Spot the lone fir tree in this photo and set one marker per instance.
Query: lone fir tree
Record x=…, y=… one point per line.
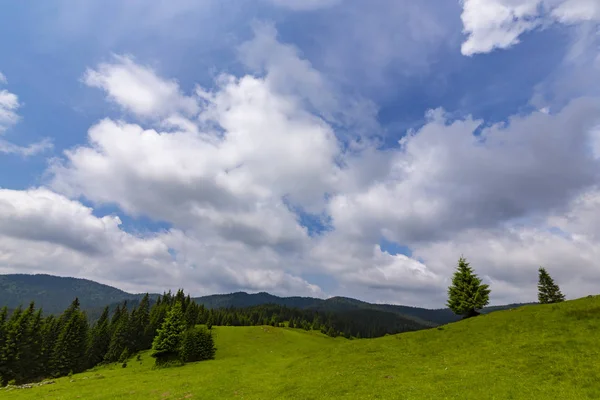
x=467, y=294
x=166, y=344
x=548, y=291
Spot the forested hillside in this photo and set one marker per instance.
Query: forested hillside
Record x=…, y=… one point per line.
x=54, y=293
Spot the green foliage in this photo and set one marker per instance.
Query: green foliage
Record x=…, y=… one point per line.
x=70, y=348
x=100, y=339
x=55, y=293
x=120, y=334
x=497, y=356
x=467, y=294
x=165, y=347
x=197, y=344
x=548, y=291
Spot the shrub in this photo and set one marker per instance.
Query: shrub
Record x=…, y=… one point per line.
x=197, y=344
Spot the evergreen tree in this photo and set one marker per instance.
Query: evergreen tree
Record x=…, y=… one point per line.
x=71, y=344
x=197, y=344
x=30, y=366
x=50, y=332
x=141, y=335
x=191, y=315
x=467, y=294
x=99, y=340
x=548, y=291
x=165, y=347
x=3, y=332
x=120, y=337
x=14, y=366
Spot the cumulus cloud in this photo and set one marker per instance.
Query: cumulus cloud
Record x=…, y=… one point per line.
x=492, y=24
x=231, y=169
x=444, y=178
x=137, y=89
x=9, y=104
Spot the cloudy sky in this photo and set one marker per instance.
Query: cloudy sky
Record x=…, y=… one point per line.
x=302, y=147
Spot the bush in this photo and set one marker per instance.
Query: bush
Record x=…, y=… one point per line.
x=197, y=344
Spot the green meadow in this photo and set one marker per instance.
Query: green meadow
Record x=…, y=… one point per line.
x=533, y=352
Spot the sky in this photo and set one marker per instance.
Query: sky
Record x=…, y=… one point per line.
x=302, y=147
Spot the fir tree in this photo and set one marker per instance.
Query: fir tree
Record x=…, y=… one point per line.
x=165, y=347
x=71, y=344
x=197, y=344
x=120, y=337
x=50, y=332
x=141, y=335
x=548, y=291
x=467, y=294
x=99, y=340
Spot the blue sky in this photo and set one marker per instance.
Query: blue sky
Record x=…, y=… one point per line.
x=320, y=148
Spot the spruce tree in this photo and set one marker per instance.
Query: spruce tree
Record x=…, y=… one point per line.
x=548, y=291
x=16, y=334
x=142, y=336
x=166, y=344
x=30, y=366
x=99, y=340
x=467, y=294
x=3, y=329
x=49, y=333
x=120, y=337
x=71, y=345
x=197, y=344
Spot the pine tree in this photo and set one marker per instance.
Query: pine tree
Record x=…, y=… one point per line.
x=120, y=337
x=11, y=351
x=548, y=291
x=50, y=332
x=3, y=329
x=467, y=294
x=197, y=344
x=30, y=366
x=71, y=344
x=165, y=347
x=191, y=314
x=142, y=339
x=99, y=340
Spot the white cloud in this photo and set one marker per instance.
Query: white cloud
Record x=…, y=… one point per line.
x=492, y=24
x=64, y=237
x=445, y=179
x=224, y=174
x=9, y=104
x=138, y=89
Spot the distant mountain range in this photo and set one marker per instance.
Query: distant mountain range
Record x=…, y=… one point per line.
x=54, y=294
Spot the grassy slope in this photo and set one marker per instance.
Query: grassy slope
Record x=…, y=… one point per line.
x=534, y=352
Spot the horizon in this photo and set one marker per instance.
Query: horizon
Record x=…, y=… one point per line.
x=303, y=148
x=193, y=297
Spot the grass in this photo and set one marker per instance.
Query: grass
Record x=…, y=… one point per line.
x=533, y=352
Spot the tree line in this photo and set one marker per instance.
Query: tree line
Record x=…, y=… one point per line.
x=467, y=294
x=34, y=346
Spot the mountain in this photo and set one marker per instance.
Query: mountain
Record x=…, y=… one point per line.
x=54, y=294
